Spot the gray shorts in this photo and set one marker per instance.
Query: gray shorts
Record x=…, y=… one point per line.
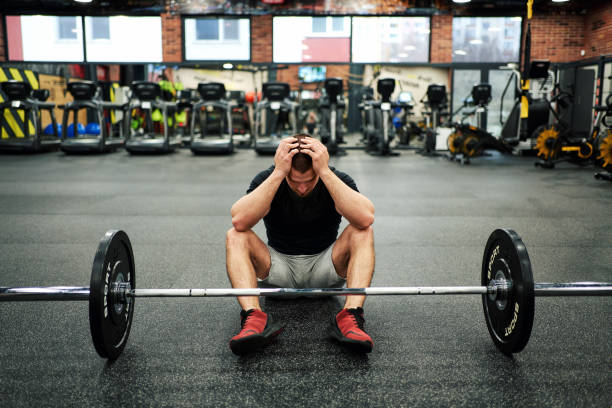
x=302, y=271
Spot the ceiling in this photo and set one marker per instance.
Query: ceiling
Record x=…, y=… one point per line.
x=101, y=7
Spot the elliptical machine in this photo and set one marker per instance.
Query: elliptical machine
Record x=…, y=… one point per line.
x=275, y=117
x=378, y=127
x=331, y=109
x=436, y=101
x=213, y=138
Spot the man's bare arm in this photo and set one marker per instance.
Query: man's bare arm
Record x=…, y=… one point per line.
x=352, y=205
x=251, y=208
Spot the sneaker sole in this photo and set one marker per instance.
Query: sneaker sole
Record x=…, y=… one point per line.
x=354, y=345
x=253, y=343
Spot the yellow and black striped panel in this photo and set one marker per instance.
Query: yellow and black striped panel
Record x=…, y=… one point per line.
x=13, y=118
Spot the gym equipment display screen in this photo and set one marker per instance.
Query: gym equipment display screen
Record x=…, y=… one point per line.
x=311, y=74
x=45, y=38
x=390, y=39
x=311, y=39
x=217, y=39
x=486, y=39
x=123, y=39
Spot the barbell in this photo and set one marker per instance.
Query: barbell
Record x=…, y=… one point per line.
x=507, y=289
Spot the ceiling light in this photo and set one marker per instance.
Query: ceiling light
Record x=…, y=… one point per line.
x=83, y=1
x=560, y=1
x=227, y=65
x=461, y=1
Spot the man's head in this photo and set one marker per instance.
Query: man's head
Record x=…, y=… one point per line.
x=302, y=178
x=301, y=161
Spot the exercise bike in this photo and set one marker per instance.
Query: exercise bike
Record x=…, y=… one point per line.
x=331, y=109
x=436, y=103
x=604, y=115
x=377, y=120
x=471, y=141
x=557, y=142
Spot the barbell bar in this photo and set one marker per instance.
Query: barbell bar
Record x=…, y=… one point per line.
x=66, y=293
x=507, y=291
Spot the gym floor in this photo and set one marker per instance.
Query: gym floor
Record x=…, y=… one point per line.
x=433, y=218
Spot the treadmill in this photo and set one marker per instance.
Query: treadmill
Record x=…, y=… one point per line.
x=21, y=98
x=240, y=118
x=275, y=117
x=146, y=137
x=104, y=138
x=211, y=121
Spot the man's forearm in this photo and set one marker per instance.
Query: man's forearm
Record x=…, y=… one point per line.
x=251, y=208
x=352, y=205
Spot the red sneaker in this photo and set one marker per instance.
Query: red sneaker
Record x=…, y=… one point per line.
x=347, y=328
x=257, y=331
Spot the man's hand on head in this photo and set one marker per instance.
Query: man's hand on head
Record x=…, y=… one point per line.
x=318, y=152
x=287, y=148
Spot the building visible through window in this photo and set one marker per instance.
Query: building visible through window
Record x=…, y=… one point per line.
x=231, y=30
x=207, y=29
x=67, y=28
x=100, y=28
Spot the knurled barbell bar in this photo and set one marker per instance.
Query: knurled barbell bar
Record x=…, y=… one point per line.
x=508, y=292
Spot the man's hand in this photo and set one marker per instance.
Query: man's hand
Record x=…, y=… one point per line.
x=318, y=152
x=284, y=153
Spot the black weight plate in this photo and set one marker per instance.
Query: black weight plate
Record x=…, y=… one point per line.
x=110, y=319
x=510, y=321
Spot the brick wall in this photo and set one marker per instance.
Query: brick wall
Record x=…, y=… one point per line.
x=172, y=36
x=598, y=31
x=441, y=39
x=261, y=39
x=558, y=37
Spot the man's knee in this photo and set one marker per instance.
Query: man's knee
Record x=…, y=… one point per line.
x=237, y=239
x=360, y=236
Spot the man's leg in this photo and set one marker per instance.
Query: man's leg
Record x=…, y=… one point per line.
x=247, y=258
x=353, y=258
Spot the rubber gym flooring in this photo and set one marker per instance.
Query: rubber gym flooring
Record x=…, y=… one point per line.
x=433, y=218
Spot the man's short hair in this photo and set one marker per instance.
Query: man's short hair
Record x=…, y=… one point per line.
x=301, y=161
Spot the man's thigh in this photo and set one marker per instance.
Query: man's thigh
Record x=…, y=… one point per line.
x=302, y=271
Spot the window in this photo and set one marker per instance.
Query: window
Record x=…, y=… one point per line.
x=126, y=43
x=100, y=28
x=67, y=28
x=217, y=39
x=390, y=39
x=311, y=39
x=207, y=29
x=486, y=39
x=44, y=38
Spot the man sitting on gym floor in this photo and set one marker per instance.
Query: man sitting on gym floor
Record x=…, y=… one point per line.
x=301, y=200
